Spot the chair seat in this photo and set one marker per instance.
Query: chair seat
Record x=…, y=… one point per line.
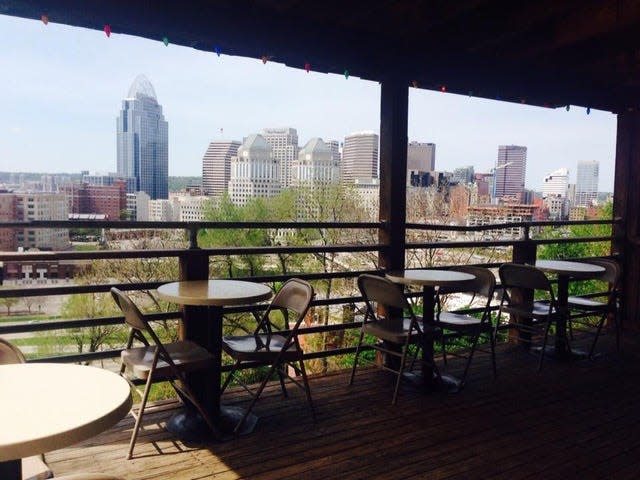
x=247, y=348
x=185, y=354
x=586, y=303
x=457, y=321
x=536, y=310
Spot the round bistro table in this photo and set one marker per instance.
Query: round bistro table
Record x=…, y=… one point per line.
x=429, y=280
x=206, y=330
x=47, y=406
x=566, y=271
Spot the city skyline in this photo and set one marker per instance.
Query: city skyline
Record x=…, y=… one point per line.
x=242, y=96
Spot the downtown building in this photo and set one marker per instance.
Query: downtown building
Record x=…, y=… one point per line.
x=143, y=142
x=509, y=174
x=360, y=157
x=554, y=193
x=284, y=147
x=254, y=171
x=587, y=177
x=216, y=166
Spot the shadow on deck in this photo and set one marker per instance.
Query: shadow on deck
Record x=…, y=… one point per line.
x=575, y=420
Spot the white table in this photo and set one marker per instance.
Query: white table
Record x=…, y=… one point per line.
x=566, y=271
x=429, y=280
x=47, y=406
x=206, y=330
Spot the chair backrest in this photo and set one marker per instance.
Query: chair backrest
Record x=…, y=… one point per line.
x=612, y=270
x=295, y=296
x=515, y=275
x=9, y=353
x=382, y=291
x=483, y=284
x=132, y=314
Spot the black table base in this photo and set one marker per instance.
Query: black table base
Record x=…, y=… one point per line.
x=189, y=426
x=552, y=352
x=11, y=470
x=443, y=383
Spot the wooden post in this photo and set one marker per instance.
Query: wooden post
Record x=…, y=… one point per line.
x=626, y=205
x=394, y=113
x=194, y=265
x=525, y=252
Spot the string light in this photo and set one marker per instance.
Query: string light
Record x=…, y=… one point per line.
x=165, y=40
x=107, y=30
x=588, y=110
x=346, y=74
x=217, y=50
x=414, y=84
x=443, y=89
x=568, y=107
x=45, y=19
x=307, y=66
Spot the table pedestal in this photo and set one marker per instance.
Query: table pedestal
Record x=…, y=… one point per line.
x=11, y=470
x=188, y=425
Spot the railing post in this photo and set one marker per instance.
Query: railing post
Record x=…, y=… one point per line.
x=523, y=252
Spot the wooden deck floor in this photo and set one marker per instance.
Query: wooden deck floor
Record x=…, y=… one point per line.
x=575, y=420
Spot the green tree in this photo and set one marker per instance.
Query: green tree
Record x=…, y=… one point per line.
x=8, y=302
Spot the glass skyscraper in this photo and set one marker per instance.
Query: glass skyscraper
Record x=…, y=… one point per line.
x=143, y=141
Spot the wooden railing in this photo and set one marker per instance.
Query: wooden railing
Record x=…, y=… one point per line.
x=192, y=258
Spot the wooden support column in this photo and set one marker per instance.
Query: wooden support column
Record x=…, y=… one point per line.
x=626, y=205
x=394, y=114
x=194, y=265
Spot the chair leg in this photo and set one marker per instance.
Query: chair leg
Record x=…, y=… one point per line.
x=544, y=345
x=143, y=403
x=403, y=360
x=281, y=376
x=355, y=359
x=307, y=389
x=492, y=341
x=229, y=377
x=598, y=330
x=254, y=399
x=470, y=358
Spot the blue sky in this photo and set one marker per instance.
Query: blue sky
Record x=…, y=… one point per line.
x=61, y=89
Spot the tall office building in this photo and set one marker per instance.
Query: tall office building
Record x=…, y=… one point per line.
x=421, y=157
x=556, y=183
x=216, y=166
x=587, y=182
x=143, y=142
x=463, y=174
x=254, y=171
x=284, y=145
x=315, y=165
x=509, y=173
x=360, y=156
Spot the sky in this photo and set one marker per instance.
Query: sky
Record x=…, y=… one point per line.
x=61, y=90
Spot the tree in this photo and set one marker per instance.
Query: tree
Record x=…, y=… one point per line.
x=8, y=302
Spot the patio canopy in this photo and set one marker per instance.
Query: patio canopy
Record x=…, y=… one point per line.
x=547, y=53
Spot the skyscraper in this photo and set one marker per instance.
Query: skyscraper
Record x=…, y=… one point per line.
x=421, y=157
x=587, y=182
x=216, y=166
x=315, y=165
x=284, y=145
x=360, y=156
x=556, y=183
x=143, y=142
x=254, y=171
x=509, y=173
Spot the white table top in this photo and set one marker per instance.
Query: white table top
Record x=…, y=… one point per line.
x=214, y=292
x=430, y=277
x=47, y=406
x=573, y=269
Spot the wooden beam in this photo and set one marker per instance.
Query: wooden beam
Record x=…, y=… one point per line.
x=394, y=113
x=626, y=204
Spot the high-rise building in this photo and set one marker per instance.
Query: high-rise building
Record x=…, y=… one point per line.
x=463, y=175
x=509, y=173
x=360, y=156
x=216, y=166
x=556, y=183
x=587, y=182
x=254, y=171
x=315, y=165
x=143, y=141
x=421, y=157
x=284, y=145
